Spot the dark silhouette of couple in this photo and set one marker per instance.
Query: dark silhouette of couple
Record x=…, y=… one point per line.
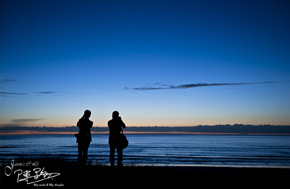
x=84, y=137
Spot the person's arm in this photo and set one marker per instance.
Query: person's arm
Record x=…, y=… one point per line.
x=122, y=123
x=79, y=123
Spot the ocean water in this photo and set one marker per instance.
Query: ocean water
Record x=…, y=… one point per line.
x=219, y=150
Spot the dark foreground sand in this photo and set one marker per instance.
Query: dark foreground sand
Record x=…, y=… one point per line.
x=73, y=175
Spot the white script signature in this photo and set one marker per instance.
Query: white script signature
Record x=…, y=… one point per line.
x=30, y=176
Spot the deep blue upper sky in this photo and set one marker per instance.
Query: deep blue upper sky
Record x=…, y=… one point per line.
x=60, y=57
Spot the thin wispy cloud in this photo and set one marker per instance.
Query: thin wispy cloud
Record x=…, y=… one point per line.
x=24, y=120
x=14, y=94
x=3, y=93
x=52, y=92
x=46, y=92
x=195, y=85
x=7, y=80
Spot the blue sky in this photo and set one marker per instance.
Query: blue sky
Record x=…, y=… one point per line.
x=59, y=58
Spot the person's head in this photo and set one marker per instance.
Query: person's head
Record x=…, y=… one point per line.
x=87, y=114
x=115, y=114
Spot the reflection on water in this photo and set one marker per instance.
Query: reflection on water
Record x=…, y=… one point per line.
x=159, y=149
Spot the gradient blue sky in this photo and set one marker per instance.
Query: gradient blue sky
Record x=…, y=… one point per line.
x=59, y=58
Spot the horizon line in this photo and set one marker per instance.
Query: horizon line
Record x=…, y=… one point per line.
x=201, y=129
x=211, y=125
x=140, y=133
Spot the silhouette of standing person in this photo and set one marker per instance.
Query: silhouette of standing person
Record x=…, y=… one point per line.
x=115, y=127
x=84, y=137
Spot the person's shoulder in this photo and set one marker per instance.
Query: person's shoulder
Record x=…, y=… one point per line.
x=79, y=122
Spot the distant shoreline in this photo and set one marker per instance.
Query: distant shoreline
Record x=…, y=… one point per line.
x=146, y=133
x=237, y=129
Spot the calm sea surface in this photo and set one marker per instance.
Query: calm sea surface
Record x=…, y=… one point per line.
x=158, y=149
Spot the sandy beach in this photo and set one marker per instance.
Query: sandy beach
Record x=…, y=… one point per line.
x=70, y=174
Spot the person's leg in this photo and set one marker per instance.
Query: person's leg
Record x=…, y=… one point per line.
x=120, y=157
x=112, y=154
x=80, y=150
x=85, y=153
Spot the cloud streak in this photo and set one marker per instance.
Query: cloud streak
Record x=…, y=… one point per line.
x=3, y=93
x=46, y=92
x=195, y=85
x=7, y=80
x=25, y=120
